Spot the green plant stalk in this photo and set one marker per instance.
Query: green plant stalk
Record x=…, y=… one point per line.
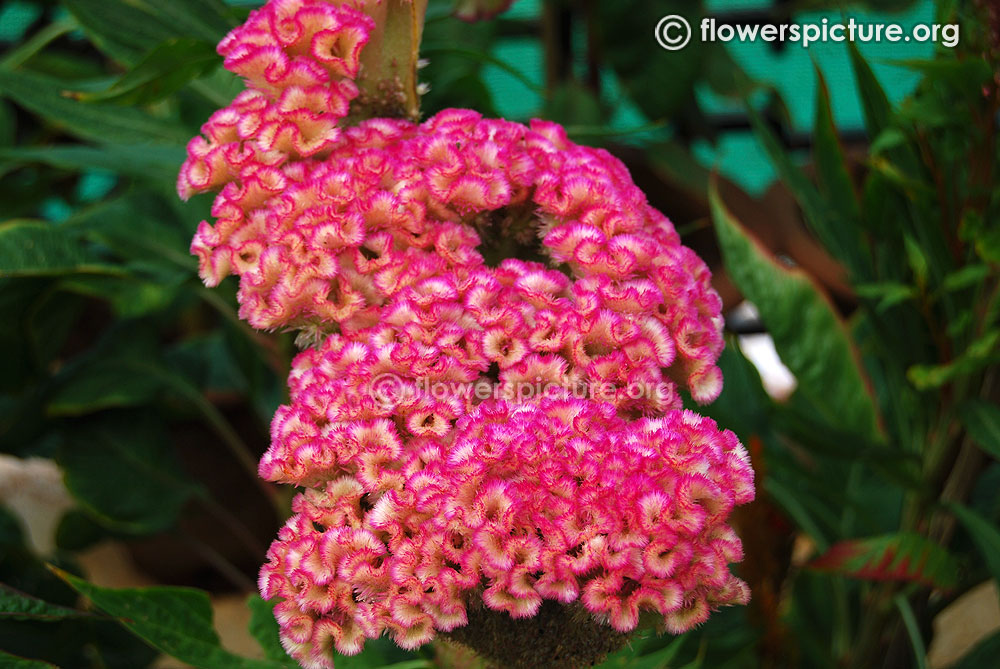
x=882, y=603
x=912, y=629
x=947, y=478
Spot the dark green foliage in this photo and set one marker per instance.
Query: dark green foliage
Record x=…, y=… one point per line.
x=154, y=398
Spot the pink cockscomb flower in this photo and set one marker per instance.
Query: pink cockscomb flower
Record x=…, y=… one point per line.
x=489, y=427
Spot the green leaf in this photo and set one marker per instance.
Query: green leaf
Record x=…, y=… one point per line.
x=264, y=628
x=985, y=536
x=51, y=321
x=874, y=101
x=967, y=75
x=31, y=46
x=831, y=163
x=123, y=30
x=100, y=123
x=17, y=605
x=796, y=419
x=793, y=506
x=33, y=248
x=982, y=420
x=877, y=109
x=840, y=236
x=967, y=277
x=151, y=162
x=381, y=653
x=980, y=354
x=207, y=20
x=809, y=337
x=18, y=662
x=161, y=72
x=122, y=470
x=633, y=657
x=77, y=531
x=888, y=293
x=744, y=405
x=129, y=296
x=917, y=260
x=904, y=556
x=103, y=384
x=433, y=50
x=138, y=227
x=890, y=138
x=661, y=83
x=126, y=29
x=176, y=621
x=985, y=238
x=574, y=104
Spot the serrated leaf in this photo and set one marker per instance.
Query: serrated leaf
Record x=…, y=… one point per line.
x=809, y=337
x=264, y=628
x=905, y=556
x=176, y=621
x=121, y=469
x=33, y=248
x=97, y=122
x=162, y=72
x=982, y=420
x=17, y=605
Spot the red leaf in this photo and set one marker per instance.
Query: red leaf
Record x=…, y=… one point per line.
x=905, y=556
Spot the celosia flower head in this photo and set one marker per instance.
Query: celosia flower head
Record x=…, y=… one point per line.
x=430, y=259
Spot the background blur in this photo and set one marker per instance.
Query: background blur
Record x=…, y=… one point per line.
x=861, y=371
